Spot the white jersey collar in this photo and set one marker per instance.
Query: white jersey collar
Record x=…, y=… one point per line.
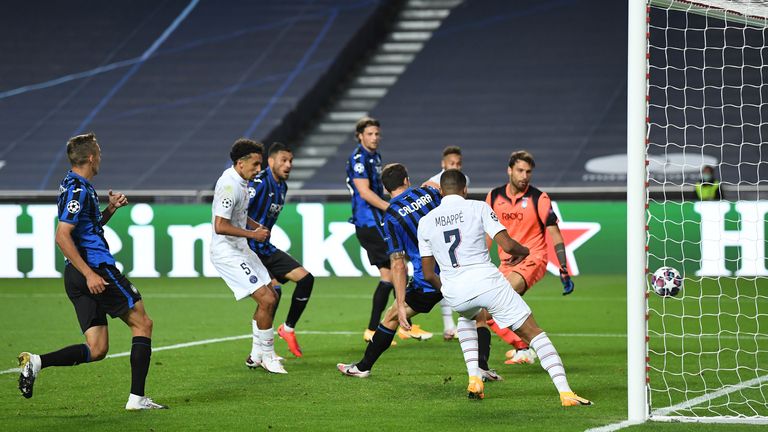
x=452, y=198
x=235, y=176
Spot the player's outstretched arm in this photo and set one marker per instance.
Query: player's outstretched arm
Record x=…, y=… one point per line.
x=557, y=240
x=223, y=226
x=428, y=269
x=116, y=200
x=511, y=246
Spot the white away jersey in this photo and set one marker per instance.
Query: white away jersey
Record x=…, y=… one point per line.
x=454, y=233
x=230, y=201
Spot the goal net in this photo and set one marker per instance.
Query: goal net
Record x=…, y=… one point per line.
x=707, y=105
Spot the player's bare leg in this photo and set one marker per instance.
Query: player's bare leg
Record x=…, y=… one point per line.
x=550, y=361
x=97, y=340
x=141, y=351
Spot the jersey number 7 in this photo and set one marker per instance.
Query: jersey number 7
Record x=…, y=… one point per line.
x=454, y=238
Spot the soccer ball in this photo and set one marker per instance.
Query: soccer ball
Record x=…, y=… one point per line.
x=667, y=281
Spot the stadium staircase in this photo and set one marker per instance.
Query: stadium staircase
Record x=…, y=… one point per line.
x=413, y=26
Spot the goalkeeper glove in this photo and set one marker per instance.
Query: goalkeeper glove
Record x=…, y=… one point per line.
x=565, y=278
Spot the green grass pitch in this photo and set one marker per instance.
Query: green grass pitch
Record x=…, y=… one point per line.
x=414, y=386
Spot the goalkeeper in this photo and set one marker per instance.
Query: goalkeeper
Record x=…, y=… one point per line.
x=527, y=214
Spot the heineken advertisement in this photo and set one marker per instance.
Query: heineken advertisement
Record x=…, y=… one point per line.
x=713, y=238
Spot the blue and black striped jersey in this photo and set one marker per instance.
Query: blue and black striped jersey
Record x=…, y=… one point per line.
x=267, y=197
x=400, y=227
x=79, y=205
x=364, y=165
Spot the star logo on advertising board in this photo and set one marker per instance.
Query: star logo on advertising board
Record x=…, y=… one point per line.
x=574, y=235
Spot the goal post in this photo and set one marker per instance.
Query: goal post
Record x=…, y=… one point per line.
x=697, y=96
x=637, y=409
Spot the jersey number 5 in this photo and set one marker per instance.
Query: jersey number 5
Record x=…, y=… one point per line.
x=245, y=268
x=454, y=238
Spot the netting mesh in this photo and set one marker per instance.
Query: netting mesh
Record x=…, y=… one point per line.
x=707, y=94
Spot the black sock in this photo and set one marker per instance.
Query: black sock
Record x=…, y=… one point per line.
x=381, y=340
x=380, y=299
x=141, y=351
x=70, y=356
x=483, y=347
x=279, y=291
x=301, y=295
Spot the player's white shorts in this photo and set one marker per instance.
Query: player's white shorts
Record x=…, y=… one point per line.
x=496, y=295
x=244, y=274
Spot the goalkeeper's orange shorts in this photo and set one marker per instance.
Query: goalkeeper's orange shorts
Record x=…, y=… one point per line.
x=532, y=269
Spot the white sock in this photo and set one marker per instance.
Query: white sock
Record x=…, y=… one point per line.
x=287, y=328
x=267, y=338
x=467, y=331
x=550, y=361
x=132, y=398
x=37, y=364
x=447, y=316
x=256, y=342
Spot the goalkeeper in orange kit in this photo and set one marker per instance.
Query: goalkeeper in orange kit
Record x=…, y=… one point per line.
x=527, y=214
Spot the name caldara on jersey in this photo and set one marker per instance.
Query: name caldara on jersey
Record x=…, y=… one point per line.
x=415, y=206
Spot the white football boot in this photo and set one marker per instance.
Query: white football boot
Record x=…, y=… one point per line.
x=352, y=370
x=526, y=356
x=271, y=364
x=136, y=403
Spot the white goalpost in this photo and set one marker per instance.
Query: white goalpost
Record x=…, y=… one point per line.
x=697, y=96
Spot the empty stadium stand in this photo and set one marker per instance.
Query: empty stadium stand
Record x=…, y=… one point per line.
x=547, y=76
x=166, y=86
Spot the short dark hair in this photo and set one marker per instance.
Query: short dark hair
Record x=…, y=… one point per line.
x=244, y=147
x=452, y=150
x=277, y=147
x=452, y=181
x=364, y=123
x=393, y=176
x=80, y=147
x=522, y=155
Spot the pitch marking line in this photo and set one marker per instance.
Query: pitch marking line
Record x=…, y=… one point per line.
x=614, y=426
x=662, y=412
x=228, y=296
x=707, y=397
x=306, y=332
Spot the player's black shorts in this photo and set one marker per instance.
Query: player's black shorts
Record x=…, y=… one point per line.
x=420, y=301
x=116, y=300
x=279, y=264
x=370, y=239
